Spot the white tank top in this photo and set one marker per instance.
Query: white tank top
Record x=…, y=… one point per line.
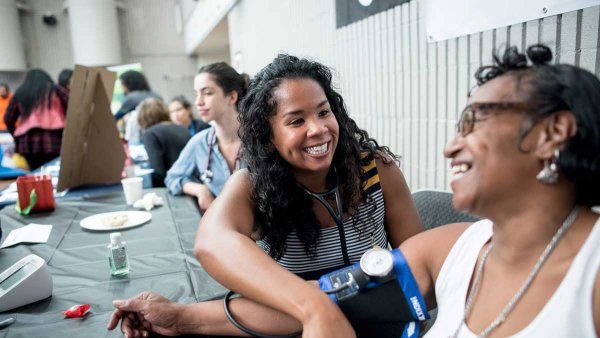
x=568, y=313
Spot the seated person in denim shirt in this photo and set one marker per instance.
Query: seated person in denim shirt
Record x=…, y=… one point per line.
x=212, y=155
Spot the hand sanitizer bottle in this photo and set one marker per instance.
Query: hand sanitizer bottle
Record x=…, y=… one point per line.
x=117, y=256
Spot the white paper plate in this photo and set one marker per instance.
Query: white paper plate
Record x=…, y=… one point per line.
x=98, y=221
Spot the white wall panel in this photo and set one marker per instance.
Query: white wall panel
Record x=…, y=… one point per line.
x=589, y=38
x=442, y=111
x=548, y=31
x=516, y=35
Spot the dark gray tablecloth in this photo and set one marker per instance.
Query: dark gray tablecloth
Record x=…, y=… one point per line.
x=160, y=254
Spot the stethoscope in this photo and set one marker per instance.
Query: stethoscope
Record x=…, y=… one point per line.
x=338, y=216
x=207, y=175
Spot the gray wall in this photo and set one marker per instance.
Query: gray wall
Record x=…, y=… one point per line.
x=148, y=36
x=404, y=91
x=46, y=47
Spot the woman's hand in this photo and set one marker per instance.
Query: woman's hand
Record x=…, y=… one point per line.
x=201, y=192
x=205, y=198
x=147, y=312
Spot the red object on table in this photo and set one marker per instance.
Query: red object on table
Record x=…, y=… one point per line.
x=77, y=311
x=43, y=189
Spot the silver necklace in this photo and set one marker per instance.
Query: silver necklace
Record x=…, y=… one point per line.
x=536, y=268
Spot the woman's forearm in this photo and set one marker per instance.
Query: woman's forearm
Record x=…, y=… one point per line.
x=227, y=252
x=194, y=188
x=239, y=264
x=209, y=318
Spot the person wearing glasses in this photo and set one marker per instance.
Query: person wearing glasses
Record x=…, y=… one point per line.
x=180, y=111
x=212, y=155
x=526, y=159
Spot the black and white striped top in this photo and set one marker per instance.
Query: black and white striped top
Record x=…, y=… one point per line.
x=329, y=255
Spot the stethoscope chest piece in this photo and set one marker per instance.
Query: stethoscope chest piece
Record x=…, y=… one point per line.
x=206, y=176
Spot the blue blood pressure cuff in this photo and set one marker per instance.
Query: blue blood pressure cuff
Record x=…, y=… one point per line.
x=391, y=295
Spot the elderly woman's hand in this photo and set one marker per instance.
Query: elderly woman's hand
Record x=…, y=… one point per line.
x=147, y=312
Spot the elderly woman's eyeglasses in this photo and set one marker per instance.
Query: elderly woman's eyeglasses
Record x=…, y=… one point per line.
x=473, y=112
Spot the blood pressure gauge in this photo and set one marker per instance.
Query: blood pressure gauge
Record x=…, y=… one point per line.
x=377, y=263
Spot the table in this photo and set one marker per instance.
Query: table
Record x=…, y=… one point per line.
x=160, y=254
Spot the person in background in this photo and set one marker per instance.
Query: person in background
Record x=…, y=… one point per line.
x=36, y=117
x=180, y=110
x=212, y=155
x=5, y=96
x=136, y=89
x=65, y=80
x=162, y=139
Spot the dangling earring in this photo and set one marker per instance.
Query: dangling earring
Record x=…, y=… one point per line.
x=549, y=174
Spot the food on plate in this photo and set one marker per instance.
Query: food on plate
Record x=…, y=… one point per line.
x=115, y=220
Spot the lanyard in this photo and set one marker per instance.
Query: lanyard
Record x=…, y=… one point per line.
x=207, y=174
x=337, y=216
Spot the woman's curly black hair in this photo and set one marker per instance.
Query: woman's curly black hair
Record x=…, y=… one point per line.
x=548, y=88
x=280, y=204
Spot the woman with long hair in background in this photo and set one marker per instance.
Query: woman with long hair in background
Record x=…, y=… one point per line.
x=163, y=140
x=36, y=117
x=212, y=155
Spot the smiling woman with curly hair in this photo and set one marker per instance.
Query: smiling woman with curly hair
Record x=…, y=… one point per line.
x=281, y=206
x=301, y=146
x=317, y=193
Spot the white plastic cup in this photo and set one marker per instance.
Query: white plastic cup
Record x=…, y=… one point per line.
x=132, y=187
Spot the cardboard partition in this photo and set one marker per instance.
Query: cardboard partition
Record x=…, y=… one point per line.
x=92, y=151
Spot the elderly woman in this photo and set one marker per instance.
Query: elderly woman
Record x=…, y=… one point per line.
x=162, y=139
x=526, y=159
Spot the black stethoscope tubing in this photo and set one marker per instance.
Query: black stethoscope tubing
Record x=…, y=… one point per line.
x=338, y=216
x=339, y=221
